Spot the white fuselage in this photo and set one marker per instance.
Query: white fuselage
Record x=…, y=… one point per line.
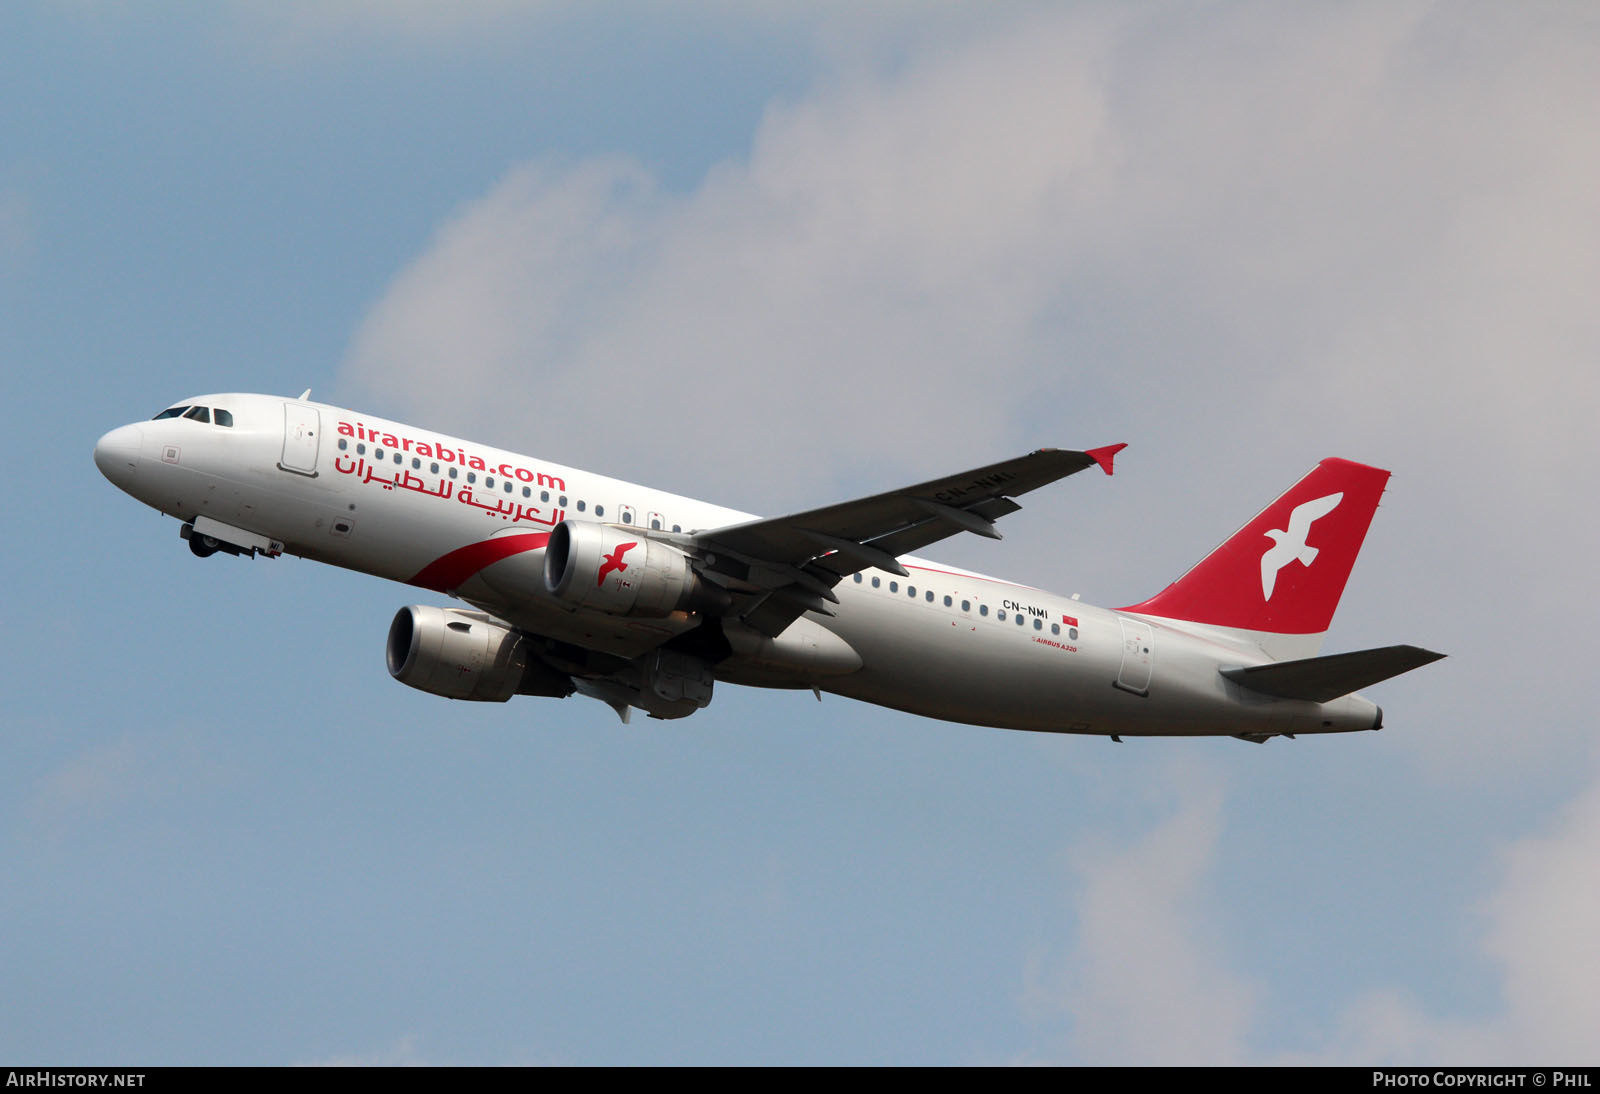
x=443, y=513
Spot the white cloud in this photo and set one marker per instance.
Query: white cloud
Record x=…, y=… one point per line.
x=1143, y=983
x=91, y=785
x=1541, y=936
x=852, y=278
x=1146, y=981
x=402, y=1053
x=1544, y=934
x=1131, y=213
x=129, y=778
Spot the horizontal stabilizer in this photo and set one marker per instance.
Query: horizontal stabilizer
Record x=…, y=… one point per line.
x=1321, y=679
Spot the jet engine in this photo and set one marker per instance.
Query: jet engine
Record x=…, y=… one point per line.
x=621, y=572
x=466, y=655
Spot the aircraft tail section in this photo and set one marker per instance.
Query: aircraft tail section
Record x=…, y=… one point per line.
x=1324, y=679
x=1280, y=577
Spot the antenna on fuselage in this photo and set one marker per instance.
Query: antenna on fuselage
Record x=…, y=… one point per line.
x=304, y=395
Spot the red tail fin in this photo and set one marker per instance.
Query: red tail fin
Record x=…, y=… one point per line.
x=1283, y=572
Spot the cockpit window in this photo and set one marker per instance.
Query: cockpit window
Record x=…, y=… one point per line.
x=170, y=412
x=224, y=417
x=199, y=414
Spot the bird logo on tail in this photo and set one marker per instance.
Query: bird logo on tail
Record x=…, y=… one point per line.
x=1289, y=543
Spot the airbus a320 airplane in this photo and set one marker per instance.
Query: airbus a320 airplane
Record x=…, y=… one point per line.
x=642, y=599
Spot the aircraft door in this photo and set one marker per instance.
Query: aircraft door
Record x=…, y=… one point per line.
x=1137, y=642
x=301, y=426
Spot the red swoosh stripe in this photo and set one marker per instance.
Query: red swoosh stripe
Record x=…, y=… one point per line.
x=451, y=571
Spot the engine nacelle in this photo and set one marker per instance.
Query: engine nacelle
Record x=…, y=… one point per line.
x=620, y=572
x=466, y=655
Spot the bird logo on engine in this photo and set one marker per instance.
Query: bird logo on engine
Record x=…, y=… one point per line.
x=613, y=561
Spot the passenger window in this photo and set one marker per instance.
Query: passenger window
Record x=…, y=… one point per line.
x=857, y=577
x=1000, y=615
x=343, y=444
x=1038, y=624
x=433, y=469
x=527, y=492
x=876, y=582
x=377, y=453
x=1072, y=633
x=627, y=517
x=983, y=609
x=581, y=505
x=199, y=414
x=452, y=472
x=225, y=418
x=894, y=586
x=562, y=501
x=947, y=602
x=416, y=464
x=472, y=476
x=656, y=524
x=361, y=449
x=510, y=486
x=929, y=597
x=677, y=527
x=544, y=495
x=599, y=510
x=488, y=481
x=911, y=591
x=966, y=605
x=1055, y=628
x=397, y=458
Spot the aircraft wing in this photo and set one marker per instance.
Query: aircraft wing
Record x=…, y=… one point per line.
x=784, y=566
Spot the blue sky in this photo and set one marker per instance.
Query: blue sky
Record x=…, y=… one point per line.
x=777, y=258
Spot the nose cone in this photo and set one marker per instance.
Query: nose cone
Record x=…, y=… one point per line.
x=117, y=455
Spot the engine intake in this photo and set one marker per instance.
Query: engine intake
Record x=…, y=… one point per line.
x=621, y=572
x=466, y=655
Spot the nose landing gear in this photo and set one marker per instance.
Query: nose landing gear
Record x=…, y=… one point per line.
x=207, y=536
x=203, y=546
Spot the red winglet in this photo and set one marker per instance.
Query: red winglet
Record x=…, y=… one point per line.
x=1102, y=456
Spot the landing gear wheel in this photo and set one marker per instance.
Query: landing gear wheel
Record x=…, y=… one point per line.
x=203, y=546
